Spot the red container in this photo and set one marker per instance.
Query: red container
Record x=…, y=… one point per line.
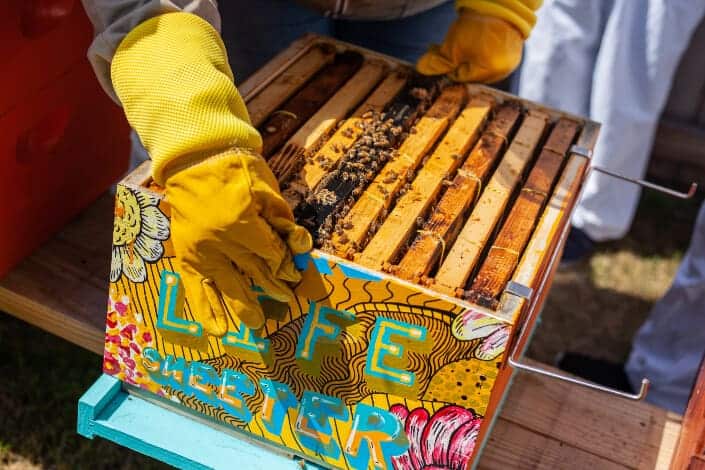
x=63, y=141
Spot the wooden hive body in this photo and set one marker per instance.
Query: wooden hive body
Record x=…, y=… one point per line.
x=394, y=353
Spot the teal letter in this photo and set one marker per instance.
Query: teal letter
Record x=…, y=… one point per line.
x=174, y=372
x=381, y=346
x=171, y=299
x=230, y=393
x=202, y=381
x=152, y=361
x=383, y=432
x=246, y=339
x=278, y=400
x=313, y=423
x=317, y=325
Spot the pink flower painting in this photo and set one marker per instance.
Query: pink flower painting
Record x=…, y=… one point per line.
x=444, y=440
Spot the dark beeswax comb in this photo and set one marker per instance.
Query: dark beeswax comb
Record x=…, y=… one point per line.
x=381, y=135
x=283, y=122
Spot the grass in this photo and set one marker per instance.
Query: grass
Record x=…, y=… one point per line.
x=594, y=308
x=42, y=379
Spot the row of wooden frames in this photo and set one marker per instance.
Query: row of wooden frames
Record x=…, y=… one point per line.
x=480, y=167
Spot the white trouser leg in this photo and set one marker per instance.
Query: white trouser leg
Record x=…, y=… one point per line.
x=670, y=344
x=560, y=54
x=641, y=48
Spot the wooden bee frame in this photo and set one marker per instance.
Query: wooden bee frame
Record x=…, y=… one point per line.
x=440, y=253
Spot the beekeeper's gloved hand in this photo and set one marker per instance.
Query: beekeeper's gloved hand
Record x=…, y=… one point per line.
x=485, y=42
x=228, y=219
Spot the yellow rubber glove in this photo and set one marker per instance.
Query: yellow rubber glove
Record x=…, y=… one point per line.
x=485, y=42
x=229, y=221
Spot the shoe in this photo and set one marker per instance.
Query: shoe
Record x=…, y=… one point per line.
x=608, y=374
x=578, y=246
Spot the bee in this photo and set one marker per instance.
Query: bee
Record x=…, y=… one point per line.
x=419, y=93
x=345, y=208
x=347, y=225
x=413, y=130
x=343, y=239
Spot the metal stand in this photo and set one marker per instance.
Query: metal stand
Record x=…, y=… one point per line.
x=526, y=293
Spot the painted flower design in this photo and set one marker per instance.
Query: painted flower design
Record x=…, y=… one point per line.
x=492, y=333
x=125, y=338
x=138, y=232
x=445, y=440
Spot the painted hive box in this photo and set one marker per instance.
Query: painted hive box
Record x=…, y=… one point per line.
x=438, y=210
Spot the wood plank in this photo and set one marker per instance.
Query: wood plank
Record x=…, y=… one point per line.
x=503, y=256
x=444, y=221
x=692, y=438
x=563, y=197
x=379, y=195
x=628, y=433
x=472, y=240
x=513, y=446
x=63, y=287
x=266, y=101
x=332, y=150
x=283, y=122
x=669, y=440
x=450, y=153
x=309, y=136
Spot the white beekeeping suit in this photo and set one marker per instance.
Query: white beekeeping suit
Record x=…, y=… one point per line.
x=670, y=344
x=614, y=61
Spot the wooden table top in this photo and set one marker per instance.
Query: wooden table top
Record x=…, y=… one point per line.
x=544, y=423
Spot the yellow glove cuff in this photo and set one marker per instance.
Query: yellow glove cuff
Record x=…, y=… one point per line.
x=520, y=13
x=172, y=76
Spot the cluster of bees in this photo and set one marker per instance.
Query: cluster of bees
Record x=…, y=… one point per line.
x=358, y=167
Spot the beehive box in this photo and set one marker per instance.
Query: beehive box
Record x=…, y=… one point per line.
x=439, y=212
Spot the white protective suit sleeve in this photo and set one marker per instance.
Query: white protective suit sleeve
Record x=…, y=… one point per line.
x=670, y=344
x=621, y=56
x=113, y=19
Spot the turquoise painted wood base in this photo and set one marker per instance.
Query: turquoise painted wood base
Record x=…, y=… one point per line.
x=107, y=411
